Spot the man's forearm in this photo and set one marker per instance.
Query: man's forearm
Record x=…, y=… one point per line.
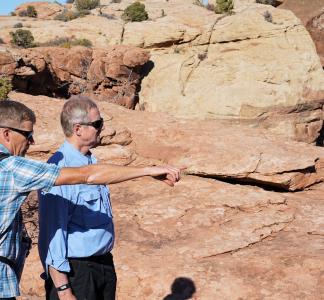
x=114, y=173
x=106, y=174
x=59, y=279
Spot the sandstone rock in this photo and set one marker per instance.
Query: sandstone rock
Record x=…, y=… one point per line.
x=316, y=28
x=311, y=14
x=183, y=227
x=244, y=67
x=7, y=64
x=113, y=74
x=207, y=148
x=101, y=31
x=269, y=237
x=243, y=73
x=44, y=10
x=305, y=11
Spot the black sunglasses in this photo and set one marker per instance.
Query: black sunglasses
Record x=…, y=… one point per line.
x=98, y=124
x=27, y=134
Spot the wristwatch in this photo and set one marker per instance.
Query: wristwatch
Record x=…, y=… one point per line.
x=63, y=287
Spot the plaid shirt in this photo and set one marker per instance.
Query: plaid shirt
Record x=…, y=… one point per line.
x=18, y=177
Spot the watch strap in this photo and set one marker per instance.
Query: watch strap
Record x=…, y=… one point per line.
x=63, y=287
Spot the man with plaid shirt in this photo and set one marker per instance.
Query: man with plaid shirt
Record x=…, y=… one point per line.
x=19, y=176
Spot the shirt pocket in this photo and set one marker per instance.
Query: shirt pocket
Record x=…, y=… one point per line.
x=91, y=212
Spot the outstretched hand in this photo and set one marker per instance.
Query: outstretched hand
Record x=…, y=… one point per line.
x=168, y=174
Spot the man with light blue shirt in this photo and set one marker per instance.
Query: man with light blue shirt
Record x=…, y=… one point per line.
x=76, y=223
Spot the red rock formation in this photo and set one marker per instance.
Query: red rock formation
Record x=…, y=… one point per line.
x=112, y=74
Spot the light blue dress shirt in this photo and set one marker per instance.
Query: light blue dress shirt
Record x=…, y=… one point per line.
x=75, y=220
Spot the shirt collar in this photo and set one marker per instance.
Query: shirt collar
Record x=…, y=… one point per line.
x=4, y=149
x=75, y=154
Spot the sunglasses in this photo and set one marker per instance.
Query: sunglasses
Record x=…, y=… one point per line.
x=98, y=124
x=27, y=134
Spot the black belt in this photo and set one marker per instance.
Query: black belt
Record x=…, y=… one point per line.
x=105, y=259
x=8, y=262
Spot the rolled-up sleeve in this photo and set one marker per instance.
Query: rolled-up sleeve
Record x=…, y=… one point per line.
x=53, y=219
x=30, y=175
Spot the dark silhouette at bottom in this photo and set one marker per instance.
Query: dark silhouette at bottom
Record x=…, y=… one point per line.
x=182, y=288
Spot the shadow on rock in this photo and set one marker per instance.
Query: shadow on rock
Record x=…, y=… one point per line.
x=182, y=288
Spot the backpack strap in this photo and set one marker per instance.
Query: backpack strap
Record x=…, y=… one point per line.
x=3, y=259
x=8, y=262
x=4, y=156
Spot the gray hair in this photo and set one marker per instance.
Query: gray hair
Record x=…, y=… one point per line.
x=75, y=110
x=13, y=113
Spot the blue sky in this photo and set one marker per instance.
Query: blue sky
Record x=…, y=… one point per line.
x=7, y=6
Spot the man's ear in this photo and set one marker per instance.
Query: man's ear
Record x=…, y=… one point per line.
x=5, y=134
x=77, y=129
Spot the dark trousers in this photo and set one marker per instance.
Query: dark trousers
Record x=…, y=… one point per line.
x=8, y=298
x=92, y=278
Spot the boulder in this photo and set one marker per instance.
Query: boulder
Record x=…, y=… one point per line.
x=311, y=13
x=7, y=63
x=243, y=68
x=45, y=10
x=316, y=28
x=112, y=74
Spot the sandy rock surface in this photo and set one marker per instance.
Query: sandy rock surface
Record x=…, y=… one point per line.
x=226, y=240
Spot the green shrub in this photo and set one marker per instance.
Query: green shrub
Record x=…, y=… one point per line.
x=135, y=13
x=18, y=25
x=22, y=38
x=269, y=2
x=86, y=4
x=67, y=15
x=67, y=42
x=13, y=14
x=81, y=42
x=224, y=6
x=56, y=42
x=69, y=1
x=268, y=17
x=31, y=11
x=5, y=87
x=23, y=13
